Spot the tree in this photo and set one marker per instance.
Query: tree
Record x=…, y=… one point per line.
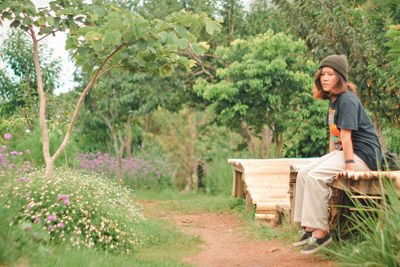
x=356, y=29
x=262, y=87
x=18, y=78
x=102, y=38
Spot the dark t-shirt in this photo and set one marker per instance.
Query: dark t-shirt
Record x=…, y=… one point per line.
x=347, y=112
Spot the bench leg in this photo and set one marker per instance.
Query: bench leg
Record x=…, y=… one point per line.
x=249, y=202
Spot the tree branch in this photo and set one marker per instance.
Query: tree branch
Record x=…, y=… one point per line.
x=80, y=102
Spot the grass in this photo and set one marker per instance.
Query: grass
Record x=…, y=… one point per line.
x=170, y=199
x=375, y=238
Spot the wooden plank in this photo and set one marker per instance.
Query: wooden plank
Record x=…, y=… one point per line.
x=263, y=181
x=365, y=197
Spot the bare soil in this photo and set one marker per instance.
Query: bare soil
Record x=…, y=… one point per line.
x=226, y=244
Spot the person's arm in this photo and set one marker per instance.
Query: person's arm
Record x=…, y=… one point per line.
x=348, y=151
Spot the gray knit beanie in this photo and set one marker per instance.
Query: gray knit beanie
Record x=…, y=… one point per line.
x=337, y=62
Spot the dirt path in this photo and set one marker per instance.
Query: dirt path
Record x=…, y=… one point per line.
x=225, y=244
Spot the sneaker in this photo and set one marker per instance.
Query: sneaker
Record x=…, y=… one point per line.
x=315, y=244
x=305, y=236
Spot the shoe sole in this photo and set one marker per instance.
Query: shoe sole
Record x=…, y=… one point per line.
x=317, y=248
x=300, y=243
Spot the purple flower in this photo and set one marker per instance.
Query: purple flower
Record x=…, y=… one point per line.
x=14, y=153
x=36, y=220
x=21, y=179
x=26, y=170
x=62, y=197
x=11, y=166
x=20, y=153
x=65, y=198
x=28, y=151
x=29, y=227
x=3, y=147
x=29, y=206
x=27, y=195
x=52, y=218
x=7, y=136
x=60, y=225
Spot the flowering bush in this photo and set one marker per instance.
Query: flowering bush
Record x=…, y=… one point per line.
x=136, y=172
x=14, y=162
x=83, y=210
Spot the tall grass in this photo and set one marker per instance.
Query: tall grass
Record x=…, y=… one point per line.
x=376, y=241
x=218, y=178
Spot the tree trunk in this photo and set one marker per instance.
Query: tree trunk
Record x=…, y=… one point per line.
x=128, y=137
x=265, y=141
x=191, y=151
x=195, y=177
x=118, y=149
x=278, y=144
x=42, y=108
x=249, y=137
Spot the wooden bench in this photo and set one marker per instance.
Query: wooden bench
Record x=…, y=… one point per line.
x=362, y=185
x=264, y=184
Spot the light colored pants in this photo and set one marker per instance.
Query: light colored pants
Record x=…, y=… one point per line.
x=313, y=188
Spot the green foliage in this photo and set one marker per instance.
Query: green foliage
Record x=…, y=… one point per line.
x=309, y=135
x=263, y=17
x=356, y=29
x=393, y=137
x=265, y=83
x=379, y=232
x=218, y=178
x=393, y=83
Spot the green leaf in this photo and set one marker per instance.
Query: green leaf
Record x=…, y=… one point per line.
x=109, y=38
x=128, y=36
x=15, y=24
x=182, y=32
x=163, y=36
x=138, y=30
x=27, y=21
x=212, y=27
x=98, y=45
x=183, y=44
x=50, y=20
x=142, y=44
x=41, y=21
x=117, y=37
x=197, y=49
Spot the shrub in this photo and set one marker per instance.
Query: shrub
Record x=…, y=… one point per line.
x=218, y=178
x=74, y=208
x=137, y=172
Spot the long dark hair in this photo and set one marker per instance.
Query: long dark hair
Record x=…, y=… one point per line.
x=341, y=87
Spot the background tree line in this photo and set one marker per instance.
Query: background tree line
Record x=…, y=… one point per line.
x=243, y=91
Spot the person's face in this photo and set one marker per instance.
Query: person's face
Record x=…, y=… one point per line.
x=328, y=79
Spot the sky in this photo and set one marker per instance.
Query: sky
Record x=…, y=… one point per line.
x=57, y=44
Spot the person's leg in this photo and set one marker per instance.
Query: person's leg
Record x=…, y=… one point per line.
x=300, y=182
x=298, y=209
x=316, y=195
x=317, y=189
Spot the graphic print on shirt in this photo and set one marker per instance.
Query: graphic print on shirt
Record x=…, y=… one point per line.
x=335, y=132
